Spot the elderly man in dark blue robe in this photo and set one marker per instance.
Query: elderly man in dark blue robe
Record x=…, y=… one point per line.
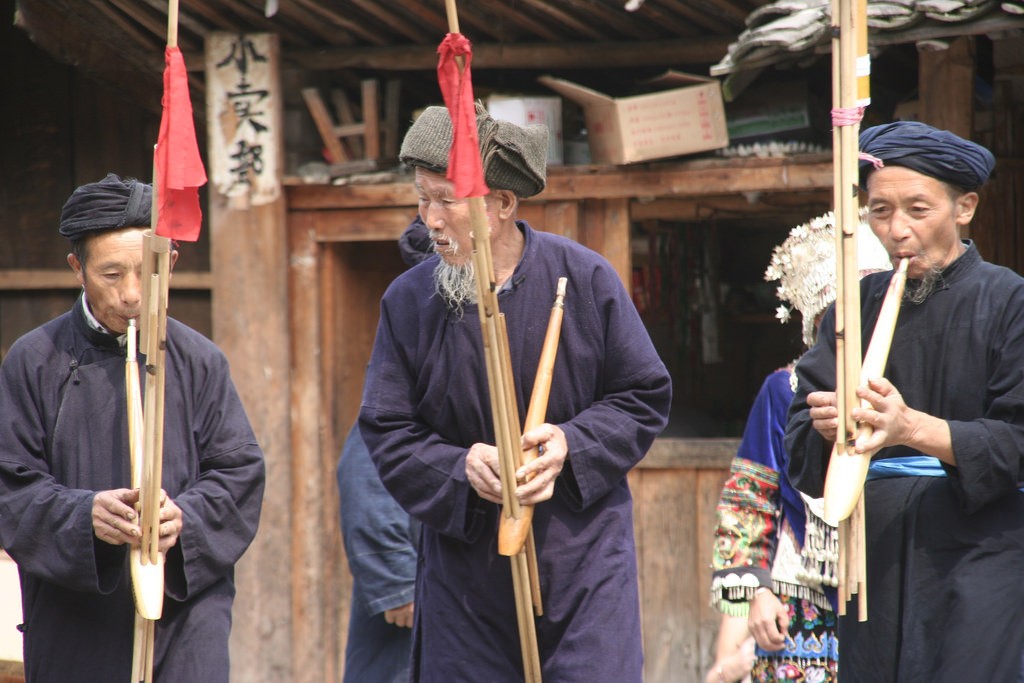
x=67, y=512
x=426, y=418
x=944, y=516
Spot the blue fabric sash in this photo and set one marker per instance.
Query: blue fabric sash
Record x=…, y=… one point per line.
x=906, y=466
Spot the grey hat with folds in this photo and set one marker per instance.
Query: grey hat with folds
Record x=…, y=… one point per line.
x=514, y=157
x=109, y=204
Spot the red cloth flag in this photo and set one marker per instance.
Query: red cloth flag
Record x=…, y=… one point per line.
x=465, y=169
x=179, y=169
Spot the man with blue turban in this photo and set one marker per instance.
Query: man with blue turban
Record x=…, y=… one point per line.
x=944, y=516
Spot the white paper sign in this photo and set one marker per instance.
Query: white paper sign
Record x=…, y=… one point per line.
x=242, y=112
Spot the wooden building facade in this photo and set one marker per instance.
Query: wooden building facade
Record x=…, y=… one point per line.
x=290, y=288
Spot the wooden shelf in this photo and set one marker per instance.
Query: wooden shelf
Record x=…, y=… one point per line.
x=698, y=178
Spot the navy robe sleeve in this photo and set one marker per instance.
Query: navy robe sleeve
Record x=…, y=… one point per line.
x=989, y=447
x=423, y=471
x=808, y=451
x=45, y=525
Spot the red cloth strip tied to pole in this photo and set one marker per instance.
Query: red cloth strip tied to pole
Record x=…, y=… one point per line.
x=179, y=168
x=465, y=169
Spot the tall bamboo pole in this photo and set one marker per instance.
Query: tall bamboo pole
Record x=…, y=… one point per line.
x=508, y=437
x=850, y=81
x=147, y=563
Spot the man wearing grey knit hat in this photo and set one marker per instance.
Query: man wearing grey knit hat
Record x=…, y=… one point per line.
x=427, y=421
x=514, y=165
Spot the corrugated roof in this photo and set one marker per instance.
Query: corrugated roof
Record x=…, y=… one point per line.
x=793, y=31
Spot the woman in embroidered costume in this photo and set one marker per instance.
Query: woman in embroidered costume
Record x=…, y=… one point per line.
x=774, y=557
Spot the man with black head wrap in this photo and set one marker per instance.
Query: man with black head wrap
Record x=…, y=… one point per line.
x=66, y=504
x=945, y=518
x=426, y=419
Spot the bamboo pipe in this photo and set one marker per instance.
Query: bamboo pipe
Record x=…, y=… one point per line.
x=507, y=435
x=172, y=23
x=531, y=582
x=134, y=401
x=513, y=532
x=847, y=221
x=142, y=653
x=156, y=278
x=844, y=481
x=837, y=204
x=861, y=59
x=849, y=91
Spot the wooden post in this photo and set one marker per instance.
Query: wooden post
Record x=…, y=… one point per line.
x=941, y=72
x=605, y=228
x=250, y=324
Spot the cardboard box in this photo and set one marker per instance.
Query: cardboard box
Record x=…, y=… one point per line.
x=524, y=111
x=686, y=119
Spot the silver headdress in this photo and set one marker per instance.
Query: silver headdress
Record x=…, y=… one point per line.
x=805, y=266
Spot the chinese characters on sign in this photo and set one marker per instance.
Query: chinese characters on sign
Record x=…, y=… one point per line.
x=242, y=116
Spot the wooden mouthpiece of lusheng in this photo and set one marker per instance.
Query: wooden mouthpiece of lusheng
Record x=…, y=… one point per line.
x=147, y=577
x=847, y=469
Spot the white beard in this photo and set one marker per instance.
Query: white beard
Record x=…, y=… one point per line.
x=455, y=284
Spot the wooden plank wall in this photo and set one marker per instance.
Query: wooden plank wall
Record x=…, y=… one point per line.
x=674, y=511
x=59, y=130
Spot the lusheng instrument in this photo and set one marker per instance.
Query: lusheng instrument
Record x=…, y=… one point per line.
x=465, y=170
x=501, y=387
x=847, y=470
x=508, y=437
x=177, y=174
x=146, y=437
x=146, y=430
x=851, y=68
